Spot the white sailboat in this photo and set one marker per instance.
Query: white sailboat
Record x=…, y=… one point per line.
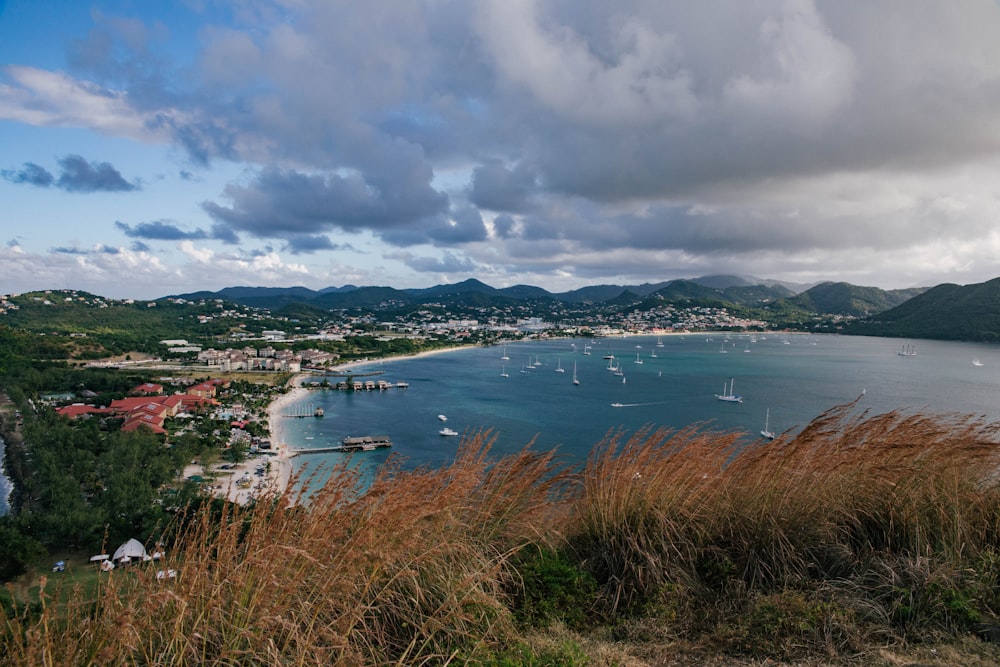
x=767, y=433
x=575, y=379
x=908, y=351
x=659, y=342
x=503, y=372
x=559, y=368
x=729, y=394
x=637, y=359
x=505, y=357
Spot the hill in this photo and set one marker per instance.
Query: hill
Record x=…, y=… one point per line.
x=846, y=299
x=732, y=290
x=945, y=312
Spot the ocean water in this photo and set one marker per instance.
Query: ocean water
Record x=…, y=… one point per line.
x=795, y=377
x=5, y=484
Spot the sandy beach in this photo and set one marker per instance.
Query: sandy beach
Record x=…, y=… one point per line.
x=271, y=472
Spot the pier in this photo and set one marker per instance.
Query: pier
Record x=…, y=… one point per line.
x=365, y=443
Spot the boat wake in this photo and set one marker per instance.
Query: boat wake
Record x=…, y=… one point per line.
x=635, y=405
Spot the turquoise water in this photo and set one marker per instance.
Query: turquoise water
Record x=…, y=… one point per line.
x=795, y=377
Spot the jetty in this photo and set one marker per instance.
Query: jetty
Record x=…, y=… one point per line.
x=364, y=443
x=305, y=411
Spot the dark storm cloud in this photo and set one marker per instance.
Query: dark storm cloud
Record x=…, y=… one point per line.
x=296, y=207
x=29, y=173
x=499, y=188
x=78, y=175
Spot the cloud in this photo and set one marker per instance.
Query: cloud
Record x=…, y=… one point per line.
x=557, y=137
x=500, y=188
x=301, y=208
x=163, y=230
x=78, y=175
x=29, y=173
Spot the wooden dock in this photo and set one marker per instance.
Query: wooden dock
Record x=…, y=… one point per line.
x=365, y=443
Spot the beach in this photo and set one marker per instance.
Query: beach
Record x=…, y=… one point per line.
x=276, y=463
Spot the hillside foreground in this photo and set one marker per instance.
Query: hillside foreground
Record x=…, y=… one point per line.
x=862, y=540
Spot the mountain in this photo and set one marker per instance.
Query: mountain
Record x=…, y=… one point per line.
x=944, y=312
x=724, y=290
x=846, y=299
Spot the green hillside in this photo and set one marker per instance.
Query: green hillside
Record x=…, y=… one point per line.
x=946, y=312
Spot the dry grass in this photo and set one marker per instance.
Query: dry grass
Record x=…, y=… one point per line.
x=859, y=529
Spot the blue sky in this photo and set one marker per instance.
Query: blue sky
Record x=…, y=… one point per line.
x=152, y=148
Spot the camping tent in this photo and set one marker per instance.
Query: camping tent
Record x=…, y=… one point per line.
x=131, y=550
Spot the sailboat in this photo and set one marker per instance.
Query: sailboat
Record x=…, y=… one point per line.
x=728, y=393
x=559, y=368
x=659, y=342
x=505, y=357
x=637, y=359
x=907, y=351
x=766, y=433
x=575, y=380
x=503, y=372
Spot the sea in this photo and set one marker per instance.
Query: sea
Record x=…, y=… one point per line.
x=5, y=484
x=529, y=398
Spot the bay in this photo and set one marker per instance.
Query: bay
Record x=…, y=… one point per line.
x=794, y=377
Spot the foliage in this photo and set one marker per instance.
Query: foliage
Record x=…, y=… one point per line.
x=859, y=531
x=19, y=550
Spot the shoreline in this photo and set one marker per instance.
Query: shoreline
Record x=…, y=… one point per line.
x=279, y=474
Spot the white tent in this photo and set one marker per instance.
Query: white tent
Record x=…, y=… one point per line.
x=131, y=550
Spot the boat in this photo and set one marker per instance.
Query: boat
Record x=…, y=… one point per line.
x=448, y=431
x=442, y=418
x=908, y=351
x=617, y=405
x=976, y=362
x=559, y=368
x=766, y=433
x=318, y=412
x=586, y=349
x=659, y=342
x=575, y=379
x=637, y=359
x=505, y=357
x=728, y=394
x=652, y=355
x=503, y=372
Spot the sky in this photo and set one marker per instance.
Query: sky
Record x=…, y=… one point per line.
x=155, y=148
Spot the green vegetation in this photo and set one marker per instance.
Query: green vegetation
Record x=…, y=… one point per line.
x=947, y=312
x=858, y=538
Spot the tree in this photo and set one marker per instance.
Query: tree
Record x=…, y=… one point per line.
x=19, y=550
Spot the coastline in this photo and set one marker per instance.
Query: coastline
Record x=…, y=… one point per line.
x=279, y=473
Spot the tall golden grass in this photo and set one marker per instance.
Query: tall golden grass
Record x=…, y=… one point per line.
x=898, y=512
